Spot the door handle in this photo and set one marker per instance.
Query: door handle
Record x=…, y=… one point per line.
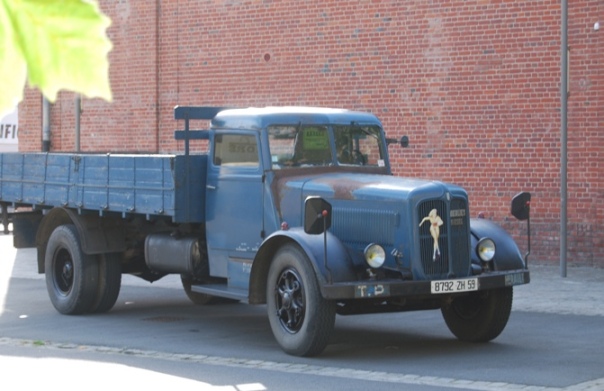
x=210, y=187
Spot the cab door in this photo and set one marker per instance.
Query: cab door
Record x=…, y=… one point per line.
x=234, y=205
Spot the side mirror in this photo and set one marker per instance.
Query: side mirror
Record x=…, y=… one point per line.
x=521, y=206
x=317, y=215
x=521, y=209
x=404, y=141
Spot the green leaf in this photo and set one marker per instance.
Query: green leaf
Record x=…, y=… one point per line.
x=61, y=44
x=13, y=71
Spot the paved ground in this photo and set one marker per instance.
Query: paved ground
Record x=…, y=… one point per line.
x=580, y=293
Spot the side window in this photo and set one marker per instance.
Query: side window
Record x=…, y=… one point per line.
x=235, y=150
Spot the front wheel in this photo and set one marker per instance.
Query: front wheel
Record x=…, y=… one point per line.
x=71, y=275
x=479, y=316
x=302, y=321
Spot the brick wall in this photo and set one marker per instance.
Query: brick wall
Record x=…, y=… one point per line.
x=475, y=85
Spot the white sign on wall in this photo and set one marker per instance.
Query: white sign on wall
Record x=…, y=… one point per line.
x=9, y=130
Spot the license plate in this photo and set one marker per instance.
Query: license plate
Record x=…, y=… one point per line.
x=371, y=290
x=454, y=286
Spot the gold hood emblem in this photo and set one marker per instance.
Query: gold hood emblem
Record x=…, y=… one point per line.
x=435, y=223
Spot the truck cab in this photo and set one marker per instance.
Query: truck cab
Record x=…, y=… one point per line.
x=264, y=163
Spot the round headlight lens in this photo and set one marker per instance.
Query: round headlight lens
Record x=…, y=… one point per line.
x=486, y=249
x=375, y=255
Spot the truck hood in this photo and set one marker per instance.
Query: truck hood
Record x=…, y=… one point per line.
x=369, y=187
x=338, y=188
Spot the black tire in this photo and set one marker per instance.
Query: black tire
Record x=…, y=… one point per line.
x=110, y=281
x=71, y=276
x=480, y=316
x=302, y=321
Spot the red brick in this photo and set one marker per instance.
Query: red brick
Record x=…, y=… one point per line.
x=475, y=84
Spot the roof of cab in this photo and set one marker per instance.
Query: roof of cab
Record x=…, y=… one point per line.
x=260, y=118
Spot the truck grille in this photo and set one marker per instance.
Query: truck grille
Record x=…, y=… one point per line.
x=361, y=226
x=449, y=222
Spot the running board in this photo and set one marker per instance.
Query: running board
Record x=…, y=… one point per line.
x=222, y=290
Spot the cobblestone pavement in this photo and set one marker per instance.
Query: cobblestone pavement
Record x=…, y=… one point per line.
x=581, y=292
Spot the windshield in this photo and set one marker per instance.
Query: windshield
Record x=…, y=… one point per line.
x=358, y=145
x=310, y=145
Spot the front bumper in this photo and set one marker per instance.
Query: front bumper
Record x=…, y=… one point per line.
x=396, y=288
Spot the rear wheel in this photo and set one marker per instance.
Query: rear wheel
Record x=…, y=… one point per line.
x=71, y=276
x=480, y=316
x=110, y=281
x=302, y=321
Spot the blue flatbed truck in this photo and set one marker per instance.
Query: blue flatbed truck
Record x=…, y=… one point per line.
x=292, y=207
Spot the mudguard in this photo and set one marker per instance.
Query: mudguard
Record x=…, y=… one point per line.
x=97, y=235
x=507, y=253
x=339, y=266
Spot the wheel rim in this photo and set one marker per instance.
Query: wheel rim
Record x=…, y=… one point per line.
x=289, y=300
x=63, y=271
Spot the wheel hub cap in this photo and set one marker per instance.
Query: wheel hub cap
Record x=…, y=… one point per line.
x=289, y=300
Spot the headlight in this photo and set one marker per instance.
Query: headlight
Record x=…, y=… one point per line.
x=375, y=255
x=486, y=249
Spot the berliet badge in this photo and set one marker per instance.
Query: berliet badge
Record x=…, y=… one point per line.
x=435, y=223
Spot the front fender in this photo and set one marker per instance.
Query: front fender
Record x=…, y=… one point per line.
x=339, y=264
x=507, y=253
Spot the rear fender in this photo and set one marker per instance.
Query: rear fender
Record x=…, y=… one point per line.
x=98, y=235
x=507, y=253
x=339, y=265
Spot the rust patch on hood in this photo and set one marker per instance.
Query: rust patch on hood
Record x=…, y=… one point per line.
x=342, y=189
